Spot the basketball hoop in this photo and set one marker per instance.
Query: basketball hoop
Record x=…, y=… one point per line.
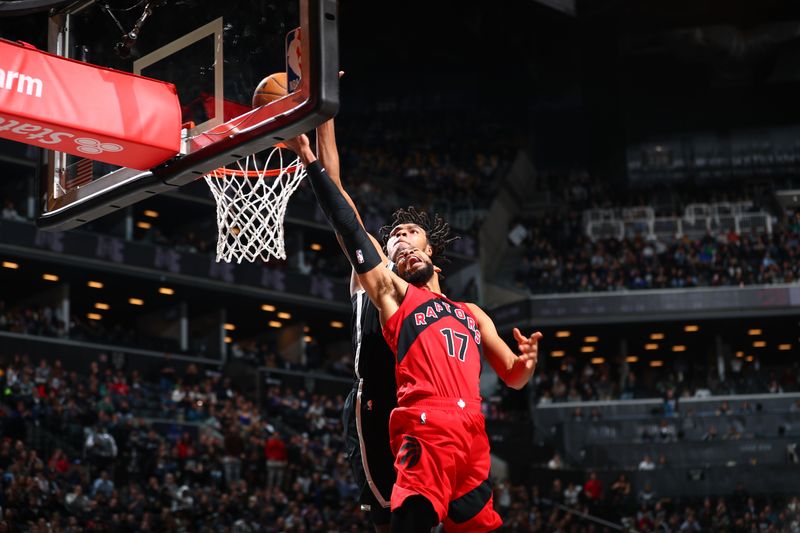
x=251, y=206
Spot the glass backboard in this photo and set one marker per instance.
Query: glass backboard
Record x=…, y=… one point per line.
x=215, y=52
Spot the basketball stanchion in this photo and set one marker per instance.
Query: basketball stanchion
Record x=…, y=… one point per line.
x=251, y=205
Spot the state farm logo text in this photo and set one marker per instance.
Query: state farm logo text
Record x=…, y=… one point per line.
x=22, y=83
x=27, y=132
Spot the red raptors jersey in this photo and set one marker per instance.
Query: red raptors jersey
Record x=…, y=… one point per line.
x=438, y=348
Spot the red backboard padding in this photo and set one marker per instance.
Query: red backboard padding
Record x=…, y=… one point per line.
x=85, y=110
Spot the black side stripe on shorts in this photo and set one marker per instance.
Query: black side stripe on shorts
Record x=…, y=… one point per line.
x=470, y=504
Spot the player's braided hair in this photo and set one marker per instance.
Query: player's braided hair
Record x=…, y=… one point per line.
x=436, y=229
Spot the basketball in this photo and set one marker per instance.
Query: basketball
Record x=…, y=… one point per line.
x=270, y=89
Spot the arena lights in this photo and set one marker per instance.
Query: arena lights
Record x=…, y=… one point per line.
x=753, y=332
x=598, y=360
x=228, y=340
x=268, y=308
x=102, y=306
x=631, y=359
x=229, y=327
x=759, y=344
x=11, y=265
x=95, y=285
x=557, y=353
x=679, y=348
x=750, y=359
x=740, y=354
x=150, y=213
x=50, y=277
x=284, y=315
x=784, y=347
x=691, y=328
x=591, y=339
x=587, y=349
x=656, y=336
x=316, y=247
x=337, y=324
x=651, y=346
x=274, y=324
x=656, y=363
x=135, y=301
x=94, y=316
x=306, y=329
x=143, y=225
x=166, y=290
x=307, y=338
x=562, y=334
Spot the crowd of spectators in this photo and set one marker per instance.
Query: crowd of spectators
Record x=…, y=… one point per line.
x=559, y=257
x=568, y=379
x=578, y=190
x=182, y=449
x=78, y=455
x=581, y=381
x=562, y=506
x=48, y=321
x=454, y=162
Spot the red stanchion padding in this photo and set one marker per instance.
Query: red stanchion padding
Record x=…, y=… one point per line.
x=85, y=110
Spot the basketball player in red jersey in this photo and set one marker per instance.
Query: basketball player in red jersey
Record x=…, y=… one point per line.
x=437, y=431
x=374, y=394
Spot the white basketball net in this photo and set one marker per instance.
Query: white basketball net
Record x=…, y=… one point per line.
x=251, y=205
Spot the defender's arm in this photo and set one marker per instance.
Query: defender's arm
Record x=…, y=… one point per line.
x=329, y=157
x=384, y=288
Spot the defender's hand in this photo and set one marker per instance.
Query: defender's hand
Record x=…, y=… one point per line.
x=297, y=144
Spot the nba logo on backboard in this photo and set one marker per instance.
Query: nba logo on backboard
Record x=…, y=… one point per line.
x=293, y=59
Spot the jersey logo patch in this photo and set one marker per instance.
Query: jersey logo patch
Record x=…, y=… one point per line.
x=410, y=452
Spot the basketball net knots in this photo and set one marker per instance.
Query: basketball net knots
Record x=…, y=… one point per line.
x=251, y=206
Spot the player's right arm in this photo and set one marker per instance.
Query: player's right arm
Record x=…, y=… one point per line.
x=384, y=287
x=329, y=157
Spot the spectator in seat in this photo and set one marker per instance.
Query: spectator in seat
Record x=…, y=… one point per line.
x=593, y=489
x=647, y=463
x=572, y=494
x=76, y=501
x=555, y=463
x=103, y=485
x=711, y=434
x=232, y=460
x=100, y=448
x=690, y=523
x=670, y=403
x=647, y=497
x=621, y=491
x=277, y=459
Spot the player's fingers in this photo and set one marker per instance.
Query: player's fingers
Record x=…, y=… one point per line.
x=519, y=337
x=536, y=336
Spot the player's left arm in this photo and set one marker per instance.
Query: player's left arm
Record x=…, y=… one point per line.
x=515, y=370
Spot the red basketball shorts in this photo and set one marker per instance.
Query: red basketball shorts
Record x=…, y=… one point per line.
x=442, y=453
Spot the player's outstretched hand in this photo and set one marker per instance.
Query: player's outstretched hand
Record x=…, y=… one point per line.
x=528, y=347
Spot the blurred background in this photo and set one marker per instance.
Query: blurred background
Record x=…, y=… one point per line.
x=624, y=177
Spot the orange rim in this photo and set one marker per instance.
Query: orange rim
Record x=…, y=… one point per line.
x=232, y=172
x=235, y=173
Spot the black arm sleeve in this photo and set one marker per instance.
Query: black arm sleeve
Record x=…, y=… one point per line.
x=359, y=247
